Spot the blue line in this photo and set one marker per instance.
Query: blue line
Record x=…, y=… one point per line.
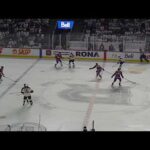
x=19, y=78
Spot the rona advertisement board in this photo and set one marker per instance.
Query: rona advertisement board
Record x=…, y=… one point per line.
x=83, y=55
x=89, y=54
x=78, y=54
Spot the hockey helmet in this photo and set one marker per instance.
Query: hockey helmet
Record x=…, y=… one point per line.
x=25, y=85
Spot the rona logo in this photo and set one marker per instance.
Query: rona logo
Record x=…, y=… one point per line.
x=87, y=54
x=65, y=24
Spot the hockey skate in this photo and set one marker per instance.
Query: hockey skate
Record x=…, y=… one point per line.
x=31, y=103
x=147, y=60
x=100, y=77
x=73, y=65
x=23, y=103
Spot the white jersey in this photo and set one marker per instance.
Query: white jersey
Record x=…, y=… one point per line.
x=71, y=57
x=26, y=91
x=121, y=59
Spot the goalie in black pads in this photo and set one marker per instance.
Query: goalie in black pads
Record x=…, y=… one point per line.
x=26, y=91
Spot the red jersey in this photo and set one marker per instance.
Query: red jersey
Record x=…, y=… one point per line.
x=1, y=72
x=98, y=68
x=118, y=74
x=58, y=56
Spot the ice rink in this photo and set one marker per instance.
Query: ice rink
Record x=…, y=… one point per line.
x=66, y=99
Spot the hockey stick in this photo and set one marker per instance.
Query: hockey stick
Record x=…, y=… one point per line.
x=124, y=78
x=108, y=72
x=69, y=65
x=65, y=63
x=15, y=93
x=10, y=79
x=130, y=81
x=114, y=65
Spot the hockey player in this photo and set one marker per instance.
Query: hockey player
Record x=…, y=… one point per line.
x=143, y=56
x=58, y=58
x=98, y=70
x=71, y=60
x=118, y=75
x=1, y=73
x=84, y=129
x=120, y=62
x=26, y=91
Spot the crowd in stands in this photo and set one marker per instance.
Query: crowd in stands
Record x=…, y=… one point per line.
x=116, y=26
x=116, y=30
x=35, y=32
x=23, y=32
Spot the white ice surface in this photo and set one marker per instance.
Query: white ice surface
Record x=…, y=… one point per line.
x=66, y=99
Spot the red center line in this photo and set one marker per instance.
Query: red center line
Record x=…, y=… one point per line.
x=91, y=104
x=90, y=107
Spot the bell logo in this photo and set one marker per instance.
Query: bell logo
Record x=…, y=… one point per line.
x=65, y=24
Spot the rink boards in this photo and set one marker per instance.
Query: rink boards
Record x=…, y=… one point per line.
x=79, y=55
